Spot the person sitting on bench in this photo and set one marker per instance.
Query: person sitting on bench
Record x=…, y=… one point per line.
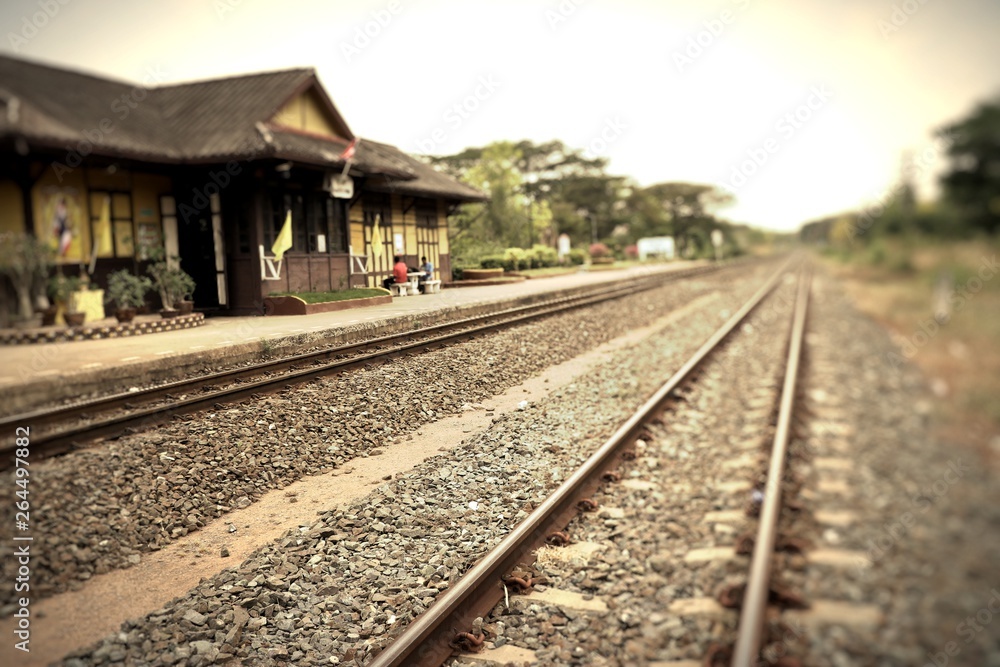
x=399, y=271
x=428, y=272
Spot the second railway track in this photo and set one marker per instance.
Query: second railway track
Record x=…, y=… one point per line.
x=63, y=428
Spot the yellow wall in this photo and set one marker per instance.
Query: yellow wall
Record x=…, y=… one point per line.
x=356, y=218
x=405, y=223
x=11, y=207
x=306, y=112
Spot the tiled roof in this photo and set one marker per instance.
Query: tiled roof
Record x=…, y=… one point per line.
x=199, y=122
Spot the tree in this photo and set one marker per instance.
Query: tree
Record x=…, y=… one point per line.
x=26, y=262
x=501, y=222
x=690, y=209
x=972, y=183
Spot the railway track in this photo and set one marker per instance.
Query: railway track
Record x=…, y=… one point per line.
x=69, y=427
x=449, y=624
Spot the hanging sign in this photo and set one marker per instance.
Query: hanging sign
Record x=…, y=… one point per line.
x=340, y=186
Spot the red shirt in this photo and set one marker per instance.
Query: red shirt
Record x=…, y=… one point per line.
x=399, y=272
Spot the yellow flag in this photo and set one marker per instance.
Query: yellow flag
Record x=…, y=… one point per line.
x=376, y=246
x=284, y=240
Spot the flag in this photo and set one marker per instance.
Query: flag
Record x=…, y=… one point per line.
x=348, y=153
x=284, y=240
x=376, y=245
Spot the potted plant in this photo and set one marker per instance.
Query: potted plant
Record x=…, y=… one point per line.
x=60, y=290
x=25, y=260
x=169, y=280
x=185, y=288
x=128, y=291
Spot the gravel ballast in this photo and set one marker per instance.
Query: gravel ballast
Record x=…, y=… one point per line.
x=351, y=581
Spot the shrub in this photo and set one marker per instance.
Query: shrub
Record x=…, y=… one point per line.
x=172, y=283
x=632, y=251
x=599, y=250
x=516, y=259
x=542, y=256
x=127, y=290
x=493, y=262
x=577, y=257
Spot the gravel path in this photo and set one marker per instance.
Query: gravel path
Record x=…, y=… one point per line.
x=354, y=578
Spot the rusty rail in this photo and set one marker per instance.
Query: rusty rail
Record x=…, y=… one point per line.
x=426, y=641
x=753, y=613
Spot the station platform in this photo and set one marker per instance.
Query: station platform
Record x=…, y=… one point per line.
x=34, y=376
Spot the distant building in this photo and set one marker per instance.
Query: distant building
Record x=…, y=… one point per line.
x=106, y=169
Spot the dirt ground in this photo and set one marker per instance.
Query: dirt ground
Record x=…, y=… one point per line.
x=941, y=304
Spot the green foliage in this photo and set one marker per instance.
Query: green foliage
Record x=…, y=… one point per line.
x=172, y=282
x=495, y=262
x=577, y=257
x=538, y=191
x=128, y=290
x=60, y=287
x=26, y=261
x=516, y=258
x=972, y=183
x=542, y=256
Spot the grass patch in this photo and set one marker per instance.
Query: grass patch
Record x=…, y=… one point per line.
x=900, y=285
x=340, y=295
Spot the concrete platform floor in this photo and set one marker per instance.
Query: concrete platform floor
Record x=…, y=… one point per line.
x=33, y=375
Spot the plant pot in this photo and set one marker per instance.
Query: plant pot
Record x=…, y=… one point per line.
x=167, y=313
x=49, y=316
x=124, y=315
x=74, y=319
x=184, y=307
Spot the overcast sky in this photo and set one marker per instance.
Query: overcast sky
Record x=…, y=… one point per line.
x=802, y=108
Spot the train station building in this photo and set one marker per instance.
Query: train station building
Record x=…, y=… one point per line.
x=106, y=170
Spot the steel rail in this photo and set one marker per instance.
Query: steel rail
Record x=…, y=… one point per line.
x=61, y=441
x=753, y=613
x=426, y=640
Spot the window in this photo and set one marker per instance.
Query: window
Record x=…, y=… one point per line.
x=336, y=220
x=319, y=223
x=111, y=229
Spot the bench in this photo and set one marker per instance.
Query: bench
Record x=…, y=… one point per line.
x=432, y=286
x=399, y=289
